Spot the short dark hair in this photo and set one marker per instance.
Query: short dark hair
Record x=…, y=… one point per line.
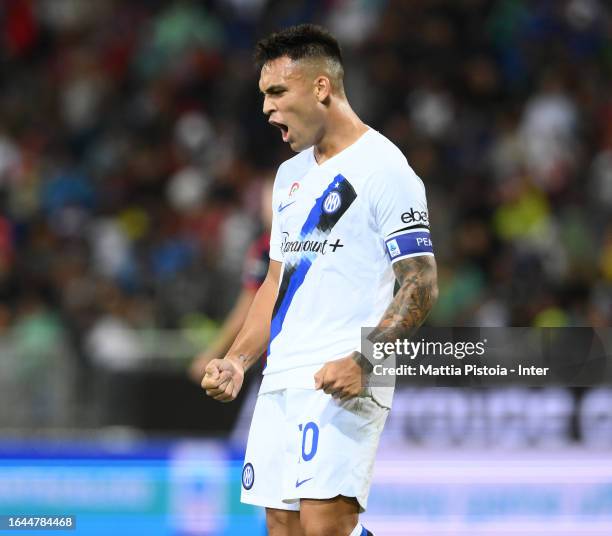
x=298, y=42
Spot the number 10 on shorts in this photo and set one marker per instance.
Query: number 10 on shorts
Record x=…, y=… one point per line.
x=310, y=440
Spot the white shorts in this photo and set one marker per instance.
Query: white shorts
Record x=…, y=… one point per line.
x=304, y=444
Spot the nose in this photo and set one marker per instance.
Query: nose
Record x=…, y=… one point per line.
x=268, y=105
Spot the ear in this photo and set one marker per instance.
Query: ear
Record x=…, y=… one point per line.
x=322, y=86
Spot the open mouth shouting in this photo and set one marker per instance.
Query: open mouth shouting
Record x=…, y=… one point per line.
x=283, y=128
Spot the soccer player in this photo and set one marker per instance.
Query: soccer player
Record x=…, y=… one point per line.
x=350, y=218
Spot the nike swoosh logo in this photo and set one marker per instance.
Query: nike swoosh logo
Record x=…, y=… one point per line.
x=282, y=207
x=298, y=483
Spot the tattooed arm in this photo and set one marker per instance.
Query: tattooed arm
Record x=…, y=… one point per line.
x=417, y=294
x=344, y=378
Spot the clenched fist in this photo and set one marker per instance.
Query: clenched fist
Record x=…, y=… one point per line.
x=342, y=378
x=223, y=379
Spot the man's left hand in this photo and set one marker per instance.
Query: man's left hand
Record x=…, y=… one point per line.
x=342, y=378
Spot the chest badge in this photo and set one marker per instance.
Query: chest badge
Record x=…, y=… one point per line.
x=332, y=202
x=294, y=188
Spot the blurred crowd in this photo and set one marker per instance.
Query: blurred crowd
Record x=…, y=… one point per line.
x=133, y=151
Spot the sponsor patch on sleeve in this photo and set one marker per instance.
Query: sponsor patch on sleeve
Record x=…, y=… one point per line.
x=409, y=244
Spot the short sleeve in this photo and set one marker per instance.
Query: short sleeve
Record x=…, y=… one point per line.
x=400, y=212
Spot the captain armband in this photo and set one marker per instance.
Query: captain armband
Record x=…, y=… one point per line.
x=404, y=244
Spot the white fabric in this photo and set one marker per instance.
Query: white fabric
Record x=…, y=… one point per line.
x=347, y=274
x=357, y=530
x=306, y=444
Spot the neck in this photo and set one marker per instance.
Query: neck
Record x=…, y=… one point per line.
x=343, y=128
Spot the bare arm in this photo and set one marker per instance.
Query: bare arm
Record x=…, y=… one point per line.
x=418, y=291
x=416, y=296
x=223, y=377
x=226, y=336
x=252, y=339
x=234, y=322
x=409, y=308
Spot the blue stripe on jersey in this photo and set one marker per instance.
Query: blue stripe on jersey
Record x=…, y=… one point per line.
x=409, y=243
x=364, y=532
x=295, y=282
x=294, y=276
x=316, y=214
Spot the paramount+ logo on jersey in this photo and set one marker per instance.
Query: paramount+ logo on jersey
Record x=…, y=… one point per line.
x=415, y=216
x=309, y=246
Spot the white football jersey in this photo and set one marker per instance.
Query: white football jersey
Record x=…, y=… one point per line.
x=337, y=228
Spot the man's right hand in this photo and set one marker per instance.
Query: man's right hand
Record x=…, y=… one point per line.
x=223, y=379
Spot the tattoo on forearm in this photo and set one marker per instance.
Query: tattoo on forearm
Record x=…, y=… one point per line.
x=246, y=361
x=417, y=293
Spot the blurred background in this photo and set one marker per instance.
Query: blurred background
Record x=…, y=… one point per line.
x=133, y=156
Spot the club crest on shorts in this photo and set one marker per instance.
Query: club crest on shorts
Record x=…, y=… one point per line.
x=332, y=202
x=248, y=476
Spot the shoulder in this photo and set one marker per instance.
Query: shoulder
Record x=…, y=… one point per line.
x=384, y=152
x=388, y=166
x=380, y=153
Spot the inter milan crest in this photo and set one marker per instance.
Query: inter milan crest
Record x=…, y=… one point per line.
x=248, y=476
x=332, y=202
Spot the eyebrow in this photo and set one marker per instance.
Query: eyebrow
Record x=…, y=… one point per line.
x=273, y=89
